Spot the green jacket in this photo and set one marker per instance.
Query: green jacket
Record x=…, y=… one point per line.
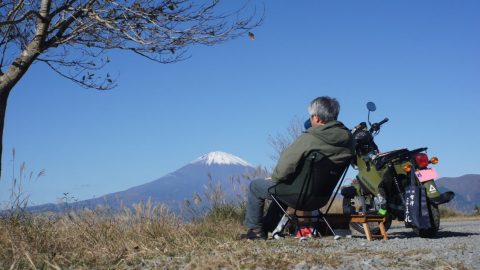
x=333, y=139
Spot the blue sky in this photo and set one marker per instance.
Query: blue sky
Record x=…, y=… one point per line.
x=419, y=61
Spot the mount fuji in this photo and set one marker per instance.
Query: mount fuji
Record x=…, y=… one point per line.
x=217, y=168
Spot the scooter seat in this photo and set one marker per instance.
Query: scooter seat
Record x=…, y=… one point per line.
x=383, y=158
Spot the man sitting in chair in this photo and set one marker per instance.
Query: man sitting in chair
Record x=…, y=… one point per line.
x=326, y=134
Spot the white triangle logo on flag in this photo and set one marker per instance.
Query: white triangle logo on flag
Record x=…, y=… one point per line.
x=432, y=189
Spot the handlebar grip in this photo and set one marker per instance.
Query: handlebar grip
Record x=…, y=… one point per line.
x=383, y=121
x=376, y=126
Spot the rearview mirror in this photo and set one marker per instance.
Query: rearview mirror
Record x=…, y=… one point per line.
x=371, y=106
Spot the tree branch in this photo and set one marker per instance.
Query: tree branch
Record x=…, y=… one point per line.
x=21, y=19
x=72, y=36
x=65, y=24
x=88, y=81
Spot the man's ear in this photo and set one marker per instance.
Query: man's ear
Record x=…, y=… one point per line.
x=319, y=121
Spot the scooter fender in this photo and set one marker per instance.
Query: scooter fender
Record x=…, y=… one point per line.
x=435, y=196
x=431, y=188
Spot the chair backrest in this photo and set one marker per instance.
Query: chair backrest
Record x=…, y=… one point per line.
x=313, y=185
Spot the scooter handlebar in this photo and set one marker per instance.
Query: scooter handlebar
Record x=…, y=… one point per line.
x=376, y=126
x=383, y=121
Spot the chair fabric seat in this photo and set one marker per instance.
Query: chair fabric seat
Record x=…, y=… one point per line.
x=311, y=188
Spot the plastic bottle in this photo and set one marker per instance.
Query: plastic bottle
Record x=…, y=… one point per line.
x=380, y=204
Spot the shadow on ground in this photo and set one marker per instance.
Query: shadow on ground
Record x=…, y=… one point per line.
x=441, y=234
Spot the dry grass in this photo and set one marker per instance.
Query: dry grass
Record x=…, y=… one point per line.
x=447, y=212
x=150, y=237
x=146, y=237
x=336, y=207
x=101, y=239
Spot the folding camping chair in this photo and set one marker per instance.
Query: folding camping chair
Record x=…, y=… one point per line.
x=310, y=190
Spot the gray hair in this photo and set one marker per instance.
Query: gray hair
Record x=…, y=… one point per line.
x=326, y=108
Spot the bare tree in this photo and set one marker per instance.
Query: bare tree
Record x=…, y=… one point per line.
x=282, y=140
x=73, y=37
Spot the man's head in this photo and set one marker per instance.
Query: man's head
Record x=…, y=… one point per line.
x=323, y=110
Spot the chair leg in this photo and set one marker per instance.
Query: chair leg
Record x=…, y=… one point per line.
x=328, y=225
x=283, y=222
x=280, y=227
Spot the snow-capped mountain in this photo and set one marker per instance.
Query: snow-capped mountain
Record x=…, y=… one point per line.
x=221, y=158
x=212, y=169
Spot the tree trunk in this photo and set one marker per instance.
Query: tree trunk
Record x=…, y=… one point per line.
x=3, y=108
x=7, y=81
x=22, y=63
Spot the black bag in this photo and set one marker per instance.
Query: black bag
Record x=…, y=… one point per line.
x=416, y=206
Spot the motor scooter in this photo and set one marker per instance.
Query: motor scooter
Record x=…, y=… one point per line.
x=379, y=187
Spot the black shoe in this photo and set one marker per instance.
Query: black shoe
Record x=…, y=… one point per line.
x=254, y=234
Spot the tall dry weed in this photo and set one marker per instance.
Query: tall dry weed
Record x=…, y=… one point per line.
x=15, y=208
x=104, y=238
x=146, y=235
x=100, y=239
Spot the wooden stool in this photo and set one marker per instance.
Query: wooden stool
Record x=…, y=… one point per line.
x=364, y=219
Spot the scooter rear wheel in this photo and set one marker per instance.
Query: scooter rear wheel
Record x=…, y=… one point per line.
x=434, y=221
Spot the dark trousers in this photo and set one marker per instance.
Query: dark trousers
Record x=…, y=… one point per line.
x=257, y=194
